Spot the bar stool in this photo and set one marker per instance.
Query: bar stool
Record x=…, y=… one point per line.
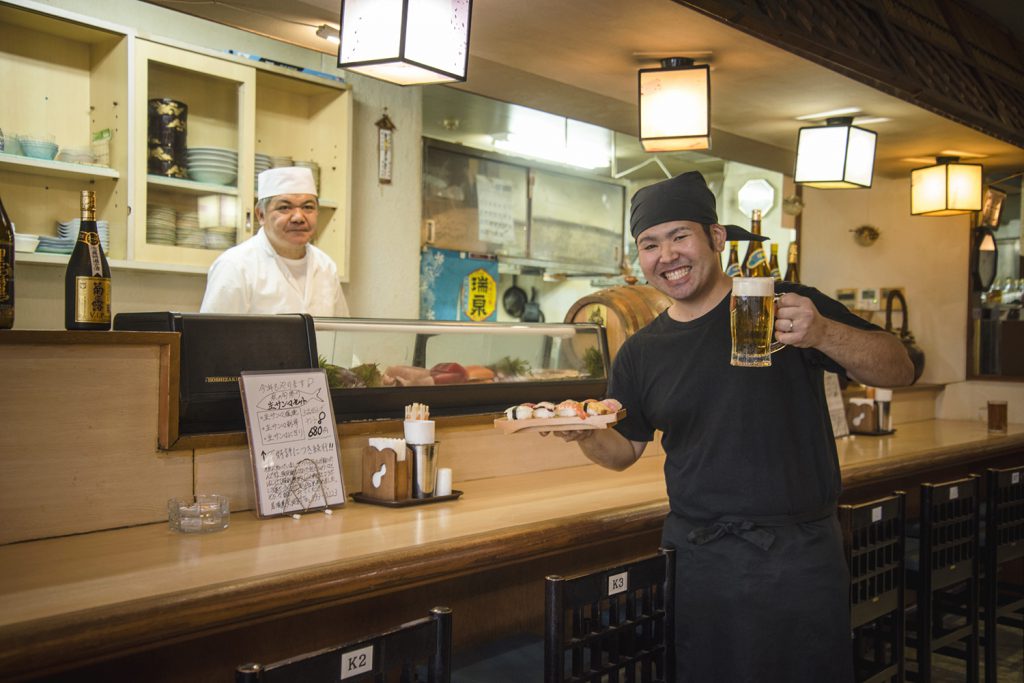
x=942, y=568
x=1004, y=543
x=613, y=624
x=873, y=540
x=420, y=650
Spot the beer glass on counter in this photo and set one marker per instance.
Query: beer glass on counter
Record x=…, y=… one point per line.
x=752, y=321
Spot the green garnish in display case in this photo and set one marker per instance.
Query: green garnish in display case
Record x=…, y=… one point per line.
x=512, y=367
x=593, y=363
x=339, y=377
x=370, y=374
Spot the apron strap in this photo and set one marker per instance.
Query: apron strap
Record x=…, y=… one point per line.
x=751, y=529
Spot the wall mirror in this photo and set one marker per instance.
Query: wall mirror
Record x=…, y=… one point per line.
x=995, y=331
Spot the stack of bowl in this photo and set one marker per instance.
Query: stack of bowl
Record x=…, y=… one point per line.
x=214, y=165
x=278, y=162
x=77, y=155
x=221, y=237
x=38, y=146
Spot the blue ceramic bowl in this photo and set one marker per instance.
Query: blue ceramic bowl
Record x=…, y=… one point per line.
x=38, y=149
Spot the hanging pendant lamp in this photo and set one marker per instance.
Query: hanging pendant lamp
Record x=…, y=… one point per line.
x=406, y=42
x=836, y=156
x=948, y=188
x=675, y=106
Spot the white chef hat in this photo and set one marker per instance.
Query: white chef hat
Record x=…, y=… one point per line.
x=285, y=180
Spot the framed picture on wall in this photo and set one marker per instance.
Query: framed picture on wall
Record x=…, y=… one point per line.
x=992, y=207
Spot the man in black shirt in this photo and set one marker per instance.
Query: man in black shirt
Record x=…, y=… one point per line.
x=752, y=469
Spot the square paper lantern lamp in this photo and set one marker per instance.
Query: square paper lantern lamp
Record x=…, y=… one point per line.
x=407, y=42
x=675, y=106
x=838, y=155
x=948, y=188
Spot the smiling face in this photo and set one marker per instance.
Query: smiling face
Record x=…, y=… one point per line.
x=680, y=260
x=289, y=221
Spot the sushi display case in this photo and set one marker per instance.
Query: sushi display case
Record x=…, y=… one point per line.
x=375, y=367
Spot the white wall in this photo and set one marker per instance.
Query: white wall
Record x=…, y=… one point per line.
x=926, y=256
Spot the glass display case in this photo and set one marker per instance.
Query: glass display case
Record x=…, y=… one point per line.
x=377, y=367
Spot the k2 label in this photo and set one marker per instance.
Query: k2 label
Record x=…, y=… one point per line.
x=355, y=662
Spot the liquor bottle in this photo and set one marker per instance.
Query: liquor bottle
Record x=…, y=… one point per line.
x=732, y=268
x=793, y=269
x=754, y=263
x=6, y=270
x=773, y=263
x=87, y=279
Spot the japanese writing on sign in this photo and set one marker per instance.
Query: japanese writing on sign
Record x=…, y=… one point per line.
x=482, y=295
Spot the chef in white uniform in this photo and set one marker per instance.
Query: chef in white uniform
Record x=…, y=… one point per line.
x=278, y=270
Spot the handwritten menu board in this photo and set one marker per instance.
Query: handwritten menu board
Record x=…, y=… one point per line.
x=293, y=443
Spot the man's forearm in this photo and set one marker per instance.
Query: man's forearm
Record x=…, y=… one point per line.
x=608, y=448
x=871, y=357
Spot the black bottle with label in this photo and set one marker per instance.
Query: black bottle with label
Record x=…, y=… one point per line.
x=87, y=279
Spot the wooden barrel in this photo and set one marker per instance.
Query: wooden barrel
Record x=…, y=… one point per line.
x=622, y=310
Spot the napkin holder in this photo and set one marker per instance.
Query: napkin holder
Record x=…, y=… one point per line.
x=385, y=477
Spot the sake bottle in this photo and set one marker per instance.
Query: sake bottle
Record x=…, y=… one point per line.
x=773, y=263
x=754, y=263
x=732, y=268
x=793, y=268
x=6, y=270
x=87, y=278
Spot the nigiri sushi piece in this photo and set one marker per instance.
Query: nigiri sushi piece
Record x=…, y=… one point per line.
x=594, y=407
x=612, y=404
x=541, y=411
x=523, y=411
x=546, y=404
x=570, y=408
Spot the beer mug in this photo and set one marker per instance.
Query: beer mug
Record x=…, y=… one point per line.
x=752, y=321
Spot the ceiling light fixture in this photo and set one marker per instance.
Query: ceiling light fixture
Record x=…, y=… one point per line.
x=675, y=106
x=947, y=188
x=406, y=42
x=328, y=33
x=836, y=156
x=822, y=115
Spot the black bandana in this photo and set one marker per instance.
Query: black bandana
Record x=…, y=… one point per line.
x=683, y=198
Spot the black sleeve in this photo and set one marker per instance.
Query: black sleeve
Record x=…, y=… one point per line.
x=832, y=309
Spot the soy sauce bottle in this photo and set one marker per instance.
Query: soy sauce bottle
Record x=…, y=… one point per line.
x=87, y=279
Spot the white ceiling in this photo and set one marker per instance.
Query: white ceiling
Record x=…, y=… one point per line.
x=579, y=58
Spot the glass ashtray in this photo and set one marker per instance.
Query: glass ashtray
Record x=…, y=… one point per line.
x=205, y=513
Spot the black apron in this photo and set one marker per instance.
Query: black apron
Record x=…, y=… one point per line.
x=761, y=600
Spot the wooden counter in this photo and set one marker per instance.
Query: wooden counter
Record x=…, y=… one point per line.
x=265, y=589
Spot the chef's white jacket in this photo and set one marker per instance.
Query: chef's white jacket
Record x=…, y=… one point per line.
x=251, y=278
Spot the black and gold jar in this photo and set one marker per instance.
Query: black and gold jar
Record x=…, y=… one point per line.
x=167, y=134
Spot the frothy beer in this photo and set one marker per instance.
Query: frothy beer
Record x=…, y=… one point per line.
x=752, y=321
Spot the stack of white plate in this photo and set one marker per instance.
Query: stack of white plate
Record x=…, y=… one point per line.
x=189, y=233
x=55, y=245
x=262, y=164
x=214, y=165
x=68, y=230
x=278, y=162
x=161, y=225
x=222, y=237
x=314, y=168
